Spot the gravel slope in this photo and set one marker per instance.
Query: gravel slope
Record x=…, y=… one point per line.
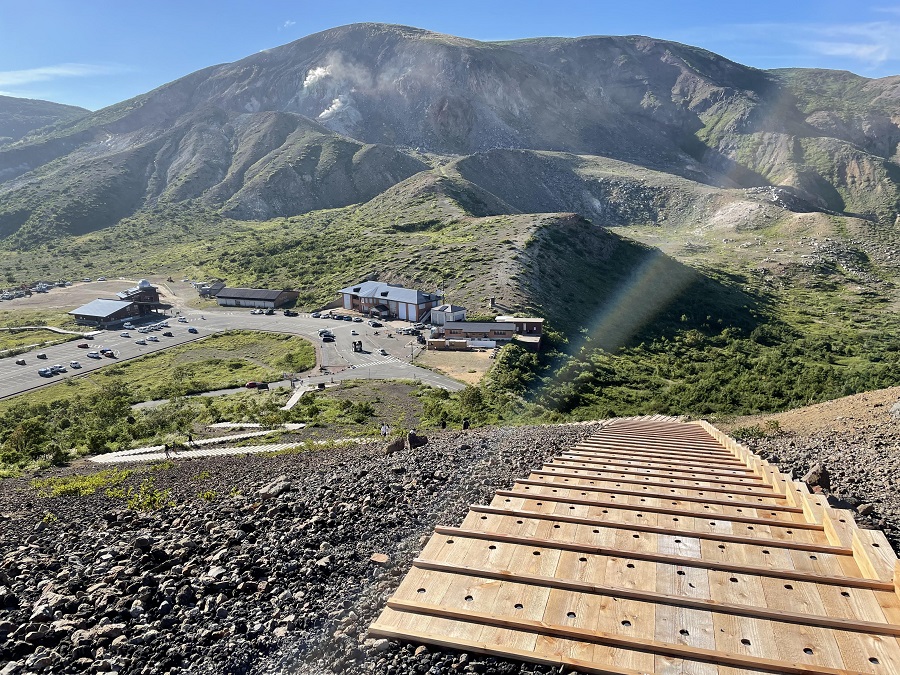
x=278, y=580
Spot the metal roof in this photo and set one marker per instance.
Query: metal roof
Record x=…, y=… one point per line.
x=101, y=308
x=249, y=294
x=448, y=308
x=380, y=290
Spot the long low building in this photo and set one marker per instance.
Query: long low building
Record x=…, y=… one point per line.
x=106, y=312
x=475, y=330
x=254, y=297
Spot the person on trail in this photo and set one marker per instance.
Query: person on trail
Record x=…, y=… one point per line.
x=465, y=424
x=190, y=439
x=384, y=430
x=166, y=450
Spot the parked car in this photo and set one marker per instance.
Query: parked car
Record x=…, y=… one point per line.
x=357, y=319
x=192, y=330
x=181, y=319
x=140, y=342
x=20, y=362
x=262, y=385
x=86, y=279
x=290, y=312
x=382, y=352
x=316, y=315
x=109, y=353
x=93, y=355
x=256, y=311
x=269, y=312
x=101, y=278
x=152, y=338
x=41, y=355
x=44, y=372
x=375, y=324
x=74, y=364
x=82, y=345
x=125, y=334
x=354, y=332
x=127, y=324
x=58, y=368
x=168, y=333
x=327, y=338
x=250, y=385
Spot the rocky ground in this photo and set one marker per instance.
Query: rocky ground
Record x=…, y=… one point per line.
x=271, y=572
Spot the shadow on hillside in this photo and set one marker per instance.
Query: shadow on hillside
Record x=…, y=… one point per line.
x=617, y=292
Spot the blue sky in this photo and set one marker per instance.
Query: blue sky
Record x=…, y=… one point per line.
x=94, y=53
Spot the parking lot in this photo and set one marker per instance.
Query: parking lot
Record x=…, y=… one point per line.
x=335, y=360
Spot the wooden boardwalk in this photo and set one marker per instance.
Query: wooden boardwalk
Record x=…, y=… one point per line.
x=657, y=546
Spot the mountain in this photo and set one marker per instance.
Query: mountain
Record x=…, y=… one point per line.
x=22, y=116
x=543, y=125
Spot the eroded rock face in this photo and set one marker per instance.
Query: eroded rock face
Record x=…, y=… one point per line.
x=283, y=572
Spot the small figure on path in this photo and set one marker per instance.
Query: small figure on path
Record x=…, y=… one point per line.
x=190, y=439
x=465, y=424
x=384, y=430
x=443, y=424
x=166, y=450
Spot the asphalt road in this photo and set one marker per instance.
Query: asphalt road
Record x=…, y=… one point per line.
x=336, y=360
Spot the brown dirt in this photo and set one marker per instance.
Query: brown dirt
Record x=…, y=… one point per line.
x=468, y=367
x=841, y=415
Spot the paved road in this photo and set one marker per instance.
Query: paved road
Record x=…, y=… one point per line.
x=337, y=360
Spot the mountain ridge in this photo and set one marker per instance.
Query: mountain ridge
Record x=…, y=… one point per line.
x=337, y=117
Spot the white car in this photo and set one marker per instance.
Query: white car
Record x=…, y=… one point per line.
x=140, y=342
x=93, y=355
x=353, y=332
x=152, y=338
x=101, y=278
x=181, y=319
x=74, y=364
x=125, y=334
x=128, y=325
x=382, y=352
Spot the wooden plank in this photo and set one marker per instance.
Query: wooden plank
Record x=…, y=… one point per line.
x=688, y=513
x=768, y=501
x=696, y=480
x=778, y=573
x=659, y=464
x=724, y=462
x=383, y=628
x=715, y=536
x=572, y=632
x=754, y=611
x=780, y=508
x=701, y=456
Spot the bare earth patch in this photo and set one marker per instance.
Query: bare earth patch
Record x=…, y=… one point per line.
x=841, y=415
x=468, y=367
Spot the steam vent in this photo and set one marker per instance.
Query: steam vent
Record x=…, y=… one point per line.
x=657, y=546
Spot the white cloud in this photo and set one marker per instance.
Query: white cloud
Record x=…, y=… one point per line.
x=16, y=78
x=872, y=43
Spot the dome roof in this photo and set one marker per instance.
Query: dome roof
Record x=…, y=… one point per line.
x=143, y=283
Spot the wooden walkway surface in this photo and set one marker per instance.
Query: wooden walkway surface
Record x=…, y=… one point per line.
x=657, y=546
